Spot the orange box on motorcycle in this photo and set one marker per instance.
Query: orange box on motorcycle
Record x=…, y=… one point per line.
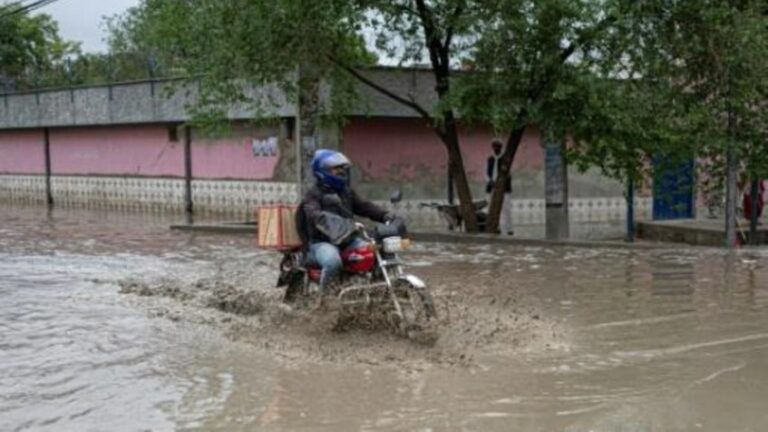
x=277, y=229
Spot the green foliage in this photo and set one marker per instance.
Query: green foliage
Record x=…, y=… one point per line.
x=712, y=53
x=398, y=28
x=560, y=65
x=32, y=54
x=308, y=49
x=625, y=81
x=225, y=44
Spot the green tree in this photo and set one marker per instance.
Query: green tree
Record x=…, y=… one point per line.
x=302, y=45
x=32, y=54
x=408, y=31
x=547, y=63
x=624, y=124
x=291, y=44
x=713, y=53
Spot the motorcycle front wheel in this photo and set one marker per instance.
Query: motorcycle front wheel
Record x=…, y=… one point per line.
x=418, y=310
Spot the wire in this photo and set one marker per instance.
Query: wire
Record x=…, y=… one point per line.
x=37, y=4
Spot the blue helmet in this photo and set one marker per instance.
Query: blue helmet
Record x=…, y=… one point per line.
x=323, y=161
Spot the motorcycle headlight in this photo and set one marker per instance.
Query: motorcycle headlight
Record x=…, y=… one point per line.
x=395, y=244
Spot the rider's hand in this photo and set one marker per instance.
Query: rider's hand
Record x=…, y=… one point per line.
x=359, y=226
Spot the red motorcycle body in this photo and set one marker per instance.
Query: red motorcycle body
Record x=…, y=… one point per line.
x=355, y=260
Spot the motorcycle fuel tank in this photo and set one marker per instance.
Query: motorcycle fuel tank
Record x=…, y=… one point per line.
x=359, y=260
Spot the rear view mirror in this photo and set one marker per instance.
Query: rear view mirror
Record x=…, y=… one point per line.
x=396, y=196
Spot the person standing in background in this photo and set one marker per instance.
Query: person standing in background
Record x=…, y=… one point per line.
x=747, y=201
x=492, y=172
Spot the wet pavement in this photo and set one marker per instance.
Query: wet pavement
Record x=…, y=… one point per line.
x=111, y=321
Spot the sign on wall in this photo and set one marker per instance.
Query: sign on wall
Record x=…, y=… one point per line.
x=264, y=147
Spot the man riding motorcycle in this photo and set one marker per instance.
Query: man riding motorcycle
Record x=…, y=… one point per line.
x=325, y=217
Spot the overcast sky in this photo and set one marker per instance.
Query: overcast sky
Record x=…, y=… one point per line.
x=81, y=20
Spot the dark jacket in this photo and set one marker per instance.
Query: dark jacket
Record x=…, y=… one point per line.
x=322, y=207
x=491, y=169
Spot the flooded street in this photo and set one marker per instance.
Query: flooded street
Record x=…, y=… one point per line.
x=111, y=321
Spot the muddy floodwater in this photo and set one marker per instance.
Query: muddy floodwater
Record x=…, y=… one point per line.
x=112, y=322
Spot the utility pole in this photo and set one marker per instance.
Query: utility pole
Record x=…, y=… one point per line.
x=556, y=190
x=188, y=207
x=297, y=138
x=47, y=149
x=630, y=211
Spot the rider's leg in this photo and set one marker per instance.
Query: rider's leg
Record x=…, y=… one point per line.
x=327, y=257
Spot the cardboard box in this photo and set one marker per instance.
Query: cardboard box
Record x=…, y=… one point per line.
x=277, y=227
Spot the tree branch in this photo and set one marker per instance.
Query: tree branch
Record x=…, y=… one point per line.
x=430, y=35
x=452, y=23
x=381, y=89
x=404, y=8
x=584, y=36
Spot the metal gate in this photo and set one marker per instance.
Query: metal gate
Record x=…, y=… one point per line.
x=673, y=194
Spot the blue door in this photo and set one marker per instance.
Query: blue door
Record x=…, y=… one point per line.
x=673, y=190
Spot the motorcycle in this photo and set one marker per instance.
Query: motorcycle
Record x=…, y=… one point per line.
x=372, y=279
x=452, y=215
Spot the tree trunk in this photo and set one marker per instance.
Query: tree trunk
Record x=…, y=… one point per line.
x=497, y=197
x=456, y=167
x=449, y=135
x=445, y=130
x=754, y=195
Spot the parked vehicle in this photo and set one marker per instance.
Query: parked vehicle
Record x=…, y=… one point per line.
x=451, y=214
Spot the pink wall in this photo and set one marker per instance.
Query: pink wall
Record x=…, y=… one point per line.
x=116, y=150
x=381, y=148
x=231, y=158
x=409, y=149
x=148, y=151
x=132, y=150
x=22, y=152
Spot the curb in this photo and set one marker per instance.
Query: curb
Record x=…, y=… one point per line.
x=450, y=237
x=497, y=239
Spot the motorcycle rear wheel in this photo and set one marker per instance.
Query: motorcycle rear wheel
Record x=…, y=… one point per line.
x=296, y=287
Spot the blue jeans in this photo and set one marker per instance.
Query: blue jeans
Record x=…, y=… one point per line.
x=327, y=256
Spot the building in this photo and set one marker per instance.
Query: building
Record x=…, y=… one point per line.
x=124, y=145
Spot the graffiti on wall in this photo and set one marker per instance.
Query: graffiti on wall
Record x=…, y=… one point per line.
x=264, y=147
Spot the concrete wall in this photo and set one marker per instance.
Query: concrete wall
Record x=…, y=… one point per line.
x=415, y=84
x=168, y=101
x=124, y=103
